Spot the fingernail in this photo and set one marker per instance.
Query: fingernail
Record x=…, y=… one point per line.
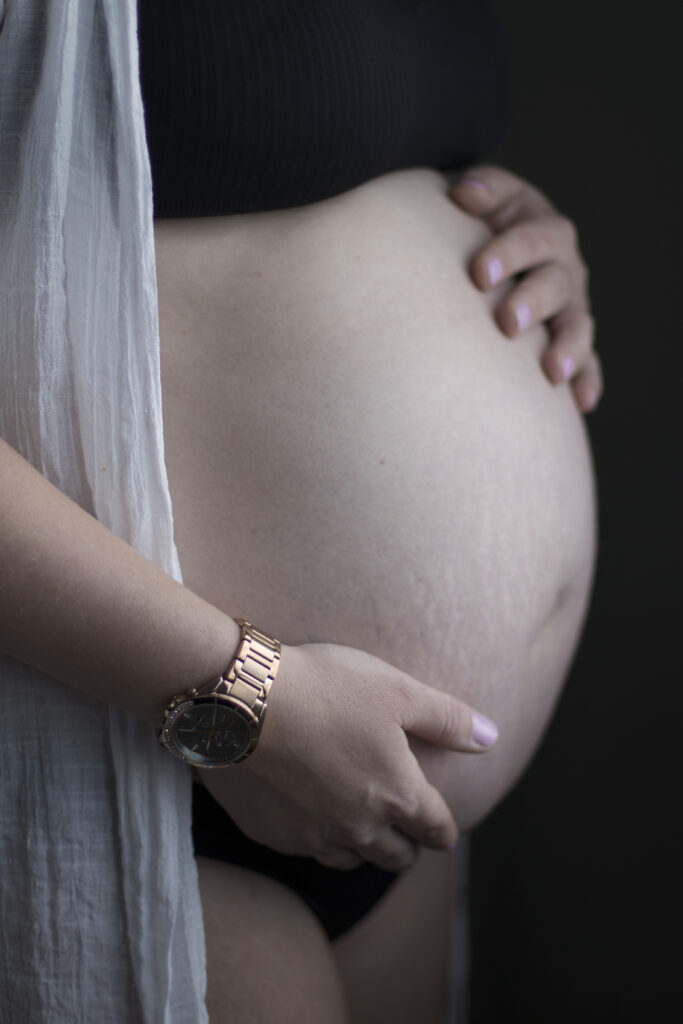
x=472, y=183
x=484, y=731
x=523, y=314
x=567, y=367
x=495, y=269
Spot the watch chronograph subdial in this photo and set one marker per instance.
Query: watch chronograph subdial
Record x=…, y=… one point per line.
x=212, y=734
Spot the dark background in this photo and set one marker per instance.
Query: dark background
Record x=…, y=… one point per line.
x=575, y=895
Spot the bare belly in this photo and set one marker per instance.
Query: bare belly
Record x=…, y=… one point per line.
x=357, y=454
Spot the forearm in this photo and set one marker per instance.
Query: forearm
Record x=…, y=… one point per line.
x=80, y=604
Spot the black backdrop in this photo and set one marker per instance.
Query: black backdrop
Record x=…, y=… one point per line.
x=575, y=896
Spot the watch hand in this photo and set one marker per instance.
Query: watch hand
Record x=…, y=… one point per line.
x=213, y=727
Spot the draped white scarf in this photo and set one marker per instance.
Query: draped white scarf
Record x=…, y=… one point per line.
x=100, y=919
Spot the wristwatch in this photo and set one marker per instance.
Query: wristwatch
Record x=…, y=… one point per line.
x=219, y=724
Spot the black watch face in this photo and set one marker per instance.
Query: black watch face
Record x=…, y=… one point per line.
x=211, y=734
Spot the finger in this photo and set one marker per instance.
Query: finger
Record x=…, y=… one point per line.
x=392, y=851
x=431, y=824
x=589, y=385
x=542, y=293
x=443, y=720
x=339, y=858
x=572, y=338
x=525, y=245
x=497, y=195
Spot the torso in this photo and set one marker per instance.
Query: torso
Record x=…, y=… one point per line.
x=357, y=454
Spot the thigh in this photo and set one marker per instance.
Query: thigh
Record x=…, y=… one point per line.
x=395, y=964
x=268, y=959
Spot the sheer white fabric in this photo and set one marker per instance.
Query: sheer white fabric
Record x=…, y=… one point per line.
x=100, y=918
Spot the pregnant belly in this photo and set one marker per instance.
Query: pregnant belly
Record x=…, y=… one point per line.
x=357, y=455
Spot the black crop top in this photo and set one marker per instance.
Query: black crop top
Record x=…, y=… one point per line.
x=264, y=104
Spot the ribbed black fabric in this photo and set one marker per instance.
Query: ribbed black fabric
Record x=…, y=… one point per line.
x=265, y=104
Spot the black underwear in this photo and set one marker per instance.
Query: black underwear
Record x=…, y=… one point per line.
x=338, y=898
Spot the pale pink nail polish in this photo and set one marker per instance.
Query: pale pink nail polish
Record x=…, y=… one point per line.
x=495, y=269
x=523, y=314
x=471, y=183
x=567, y=367
x=484, y=731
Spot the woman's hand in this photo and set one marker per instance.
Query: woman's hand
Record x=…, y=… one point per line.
x=333, y=776
x=539, y=245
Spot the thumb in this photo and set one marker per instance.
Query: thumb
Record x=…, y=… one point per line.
x=446, y=721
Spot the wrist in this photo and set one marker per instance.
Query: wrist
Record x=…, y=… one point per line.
x=200, y=651
x=219, y=723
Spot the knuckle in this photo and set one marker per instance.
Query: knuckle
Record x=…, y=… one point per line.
x=405, y=860
x=508, y=245
x=449, y=730
x=454, y=720
x=539, y=237
x=341, y=860
x=442, y=838
x=313, y=844
x=509, y=211
x=389, y=861
x=578, y=331
x=567, y=285
x=583, y=274
x=403, y=690
x=594, y=370
x=360, y=836
x=480, y=267
x=537, y=233
x=396, y=855
x=512, y=246
x=568, y=230
x=405, y=699
x=436, y=836
x=539, y=309
x=404, y=804
x=582, y=328
x=582, y=325
x=323, y=854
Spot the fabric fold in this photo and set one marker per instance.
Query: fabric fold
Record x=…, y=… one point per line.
x=99, y=901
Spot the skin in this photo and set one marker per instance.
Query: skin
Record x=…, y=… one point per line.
x=385, y=807
x=139, y=635
x=540, y=246
x=545, y=246
x=381, y=940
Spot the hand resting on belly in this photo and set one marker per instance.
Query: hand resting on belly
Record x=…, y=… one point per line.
x=358, y=457
x=539, y=246
x=332, y=776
